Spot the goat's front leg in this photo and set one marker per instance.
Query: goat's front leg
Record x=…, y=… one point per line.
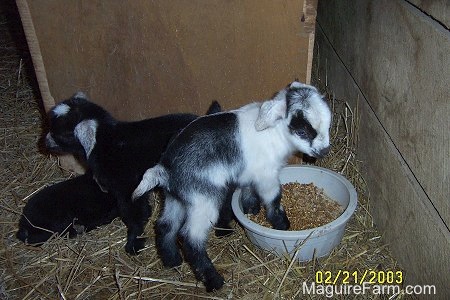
x=223, y=227
x=251, y=203
x=269, y=191
x=202, y=214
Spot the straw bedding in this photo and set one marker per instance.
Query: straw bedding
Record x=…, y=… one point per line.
x=95, y=265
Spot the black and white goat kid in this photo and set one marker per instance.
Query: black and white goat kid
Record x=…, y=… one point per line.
x=246, y=147
x=117, y=153
x=74, y=206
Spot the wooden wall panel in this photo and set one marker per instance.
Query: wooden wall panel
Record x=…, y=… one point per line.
x=411, y=225
x=407, y=219
x=399, y=58
x=145, y=58
x=437, y=9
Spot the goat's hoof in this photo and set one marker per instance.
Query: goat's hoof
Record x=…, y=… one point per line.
x=282, y=227
x=278, y=220
x=253, y=209
x=214, y=283
x=173, y=261
x=284, y=224
x=133, y=247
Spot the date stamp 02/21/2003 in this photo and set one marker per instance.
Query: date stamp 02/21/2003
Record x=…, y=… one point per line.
x=359, y=277
x=379, y=282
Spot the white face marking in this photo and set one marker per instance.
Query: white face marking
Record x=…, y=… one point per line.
x=50, y=141
x=61, y=109
x=320, y=119
x=85, y=131
x=318, y=114
x=80, y=95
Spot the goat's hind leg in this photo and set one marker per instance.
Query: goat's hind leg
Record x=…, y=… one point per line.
x=167, y=228
x=201, y=216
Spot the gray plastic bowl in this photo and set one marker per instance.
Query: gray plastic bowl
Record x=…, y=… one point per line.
x=316, y=242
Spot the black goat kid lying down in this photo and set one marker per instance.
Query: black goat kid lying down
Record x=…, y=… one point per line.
x=246, y=147
x=74, y=206
x=117, y=153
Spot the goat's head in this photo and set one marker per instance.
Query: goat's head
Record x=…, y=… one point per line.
x=73, y=125
x=302, y=109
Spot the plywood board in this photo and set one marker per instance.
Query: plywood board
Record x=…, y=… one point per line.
x=436, y=9
x=146, y=58
x=403, y=213
x=411, y=225
x=399, y=58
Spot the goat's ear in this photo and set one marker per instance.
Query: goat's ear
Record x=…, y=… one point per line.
x=270, y=112
x=85, y=132
x=80, y=96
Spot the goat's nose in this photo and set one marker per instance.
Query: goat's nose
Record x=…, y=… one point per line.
x=324, y=151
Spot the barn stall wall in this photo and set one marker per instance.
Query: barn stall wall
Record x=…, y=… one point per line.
x=145, y=58
x=391, y=60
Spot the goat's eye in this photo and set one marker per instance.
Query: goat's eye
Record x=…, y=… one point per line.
x=301, y=133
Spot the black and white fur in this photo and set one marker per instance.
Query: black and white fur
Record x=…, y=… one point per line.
x=215, y=154
x=74, y=206
x=118, y=153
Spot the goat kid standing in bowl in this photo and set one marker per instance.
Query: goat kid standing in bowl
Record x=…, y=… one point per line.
x=214, y=154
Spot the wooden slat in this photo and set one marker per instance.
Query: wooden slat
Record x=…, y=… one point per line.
x=145, y=58
x=437, y=9
x=35, y=52
x=66, y=161
x=403, y=213
x=399, y=58
x=308, y=17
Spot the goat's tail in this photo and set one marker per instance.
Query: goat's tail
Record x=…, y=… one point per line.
x=156, y=176
x=214, y=108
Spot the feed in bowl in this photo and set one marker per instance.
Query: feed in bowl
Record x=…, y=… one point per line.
x=306, y=206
